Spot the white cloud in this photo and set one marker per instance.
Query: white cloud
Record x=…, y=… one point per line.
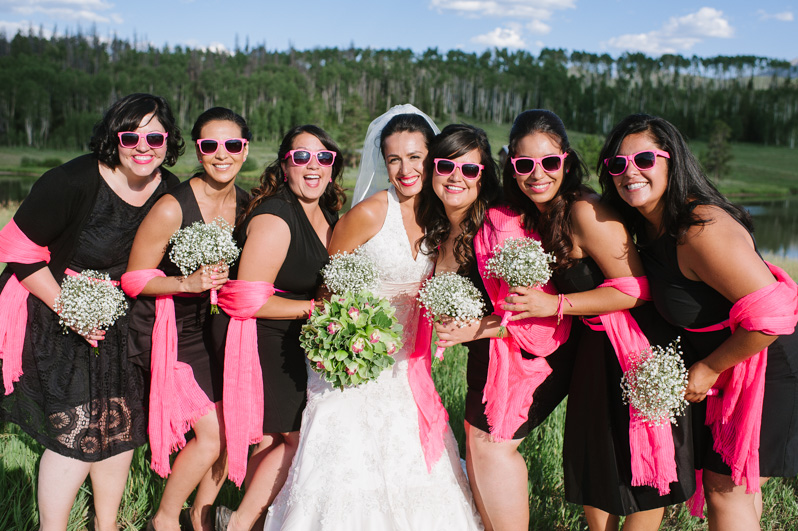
x=12, y=28
x=678, y=33
x=88, y=10
x=501, y=38
x=538, y=28
x=784, y=16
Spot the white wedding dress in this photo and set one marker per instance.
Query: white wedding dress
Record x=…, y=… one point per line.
x=360, y=465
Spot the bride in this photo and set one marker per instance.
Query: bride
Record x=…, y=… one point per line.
x=381, y=455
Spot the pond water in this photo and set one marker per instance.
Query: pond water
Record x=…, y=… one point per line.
x=775, y=220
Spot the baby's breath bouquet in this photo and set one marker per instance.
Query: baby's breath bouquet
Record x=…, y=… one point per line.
x=202, y=244
x=519, y=262
x=451, y=296
x=89, y=301
x=655, y=383
x=351, y=339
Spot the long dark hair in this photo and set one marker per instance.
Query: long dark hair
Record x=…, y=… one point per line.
x=272, y=180
x=687, y=188
x=553, y=224
x=406, y=123
x=126, y=115
x=455, y=141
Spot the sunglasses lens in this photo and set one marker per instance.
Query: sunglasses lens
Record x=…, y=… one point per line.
x=616, y=165
x=645, y=160
x=524, y=166
x=444, y=167
x=470, y=171
x=156, y=140
x=209, y=147
x=234, y=146
x=551, y=163
x=128, y=140
x=301, y=157
x=325, y=158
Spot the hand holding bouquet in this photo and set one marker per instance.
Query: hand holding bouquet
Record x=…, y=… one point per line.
x=452, y=297
x=351, y=339
x=89, y=301
x=655, y=383
x=519, y=262
x=202, y=244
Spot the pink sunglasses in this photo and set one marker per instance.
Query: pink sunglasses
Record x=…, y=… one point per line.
x=132, y=139
x=209, y=146
x=643, y=160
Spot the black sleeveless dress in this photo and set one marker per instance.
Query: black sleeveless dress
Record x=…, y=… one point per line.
x=546, y=397
x=693, y=304
x=195, y=346
x=596, y=453
x=74, y=403
x=282, y=358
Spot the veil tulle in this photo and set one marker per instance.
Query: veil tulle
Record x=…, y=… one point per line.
x=373, y=176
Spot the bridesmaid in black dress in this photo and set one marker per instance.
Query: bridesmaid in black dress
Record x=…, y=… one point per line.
x=222, y=144
x=86, y=410
x=285, y=232
x=543, y=179
x=702, y=263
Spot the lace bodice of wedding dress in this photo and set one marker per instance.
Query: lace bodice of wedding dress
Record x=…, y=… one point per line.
x=360, y=463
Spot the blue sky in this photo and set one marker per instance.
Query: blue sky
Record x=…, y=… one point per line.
x=705, y=28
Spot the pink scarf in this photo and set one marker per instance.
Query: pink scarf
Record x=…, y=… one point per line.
x=512, y=379
x=735, y=415
x=243, y=380
x=432, y=416
x=653, y=456
x=15, y=247
x=176, y=400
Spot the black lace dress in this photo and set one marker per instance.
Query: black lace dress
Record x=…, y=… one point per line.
x=78, y=404
x=596, y=453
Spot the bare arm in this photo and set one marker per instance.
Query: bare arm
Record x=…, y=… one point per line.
x=360, y=224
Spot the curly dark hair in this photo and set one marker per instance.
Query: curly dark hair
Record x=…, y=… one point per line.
x=272, y=180
x=126, y=115
x=455, y=141
x=687, y=188
x=553, y=224
x=220, y=114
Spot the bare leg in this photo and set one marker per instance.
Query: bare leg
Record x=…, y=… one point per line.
x=60, y=477
x=191, y=465
x=498, y=474
x=108, y=479
x=728, y=506
x=202, y=514
x=267, y=479
x=644, y=520
x=598, y=520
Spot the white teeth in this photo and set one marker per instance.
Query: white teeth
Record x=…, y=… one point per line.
x=312, y=177
x=539, y=186
x=635, y=186
x=222, y=166
x=454, y=188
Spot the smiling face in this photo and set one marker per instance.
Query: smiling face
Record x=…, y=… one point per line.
x=142, y=160
x=642, y=189
x=455, y=191
x=307, y=182
x=539, y=186
x=404, y=153
x=222, y=166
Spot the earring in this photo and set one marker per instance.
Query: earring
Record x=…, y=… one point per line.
x=285, y=179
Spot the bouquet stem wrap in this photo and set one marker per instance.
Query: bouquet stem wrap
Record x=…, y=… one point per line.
x=15, y=247
x=653, y=455
x=242, y=395
x=432, y=416
x=735, y=415
x=512, y=379
x=176, y=400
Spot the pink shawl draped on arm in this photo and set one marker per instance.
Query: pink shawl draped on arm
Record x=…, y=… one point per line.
x=735, y=415
x=512, y=379
x=652, y=451
x=243, y=380
x=176, y=400
x=15, y=247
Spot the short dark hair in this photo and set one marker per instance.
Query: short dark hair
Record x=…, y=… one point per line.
x=126, y=115
x=688, y=185
x=409, y=123
x=220, y=114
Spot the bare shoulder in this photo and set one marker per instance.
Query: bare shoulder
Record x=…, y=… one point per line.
x=360, y=224
x=264, y=228
x=589, y=213
x=166, y=211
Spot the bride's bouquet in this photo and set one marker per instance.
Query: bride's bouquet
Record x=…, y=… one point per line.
x=655, y=383
x=89, y=301
x=202, y=244
x=352, y=339
x=451, y=296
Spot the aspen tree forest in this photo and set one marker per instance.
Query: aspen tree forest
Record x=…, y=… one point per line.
x=53, y=90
